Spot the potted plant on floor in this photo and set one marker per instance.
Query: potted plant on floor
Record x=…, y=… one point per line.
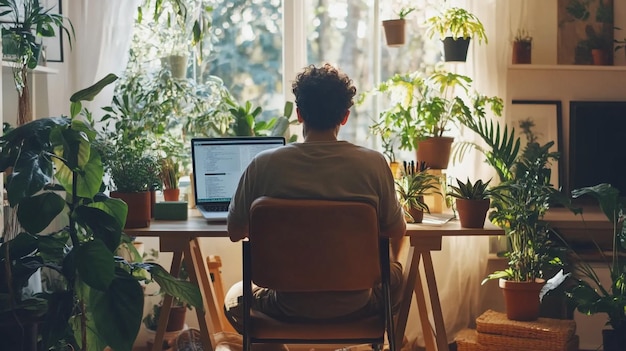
x=456, y=27
x=415, y=183
x=472, y=202
x=57, y=174
x=423, y=108
x=395, y=28
x=589, y=295
x=521, y=202
x=28, y=22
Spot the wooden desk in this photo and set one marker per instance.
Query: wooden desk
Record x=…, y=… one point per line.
x=425, y=239
x=181, y=238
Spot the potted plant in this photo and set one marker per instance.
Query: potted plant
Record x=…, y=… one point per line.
x=472, y=202
x=521, y=201
x=395, y=28
x=58, y=176
x=522, y=47
x=21, y=43
x=456, y=26
x=169, y=174
x=423, y=108
x=178, y=310
x=134, y=175
x=589, y=295
x=415, y=183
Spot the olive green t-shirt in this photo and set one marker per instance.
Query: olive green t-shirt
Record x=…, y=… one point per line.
x=335, y=170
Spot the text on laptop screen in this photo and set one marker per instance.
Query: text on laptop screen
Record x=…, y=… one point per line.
x=219, y=163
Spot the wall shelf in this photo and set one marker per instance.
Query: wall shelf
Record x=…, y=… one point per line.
x=7, y=66
x=566, y=67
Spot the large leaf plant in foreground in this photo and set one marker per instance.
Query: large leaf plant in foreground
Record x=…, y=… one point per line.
x=55, y=177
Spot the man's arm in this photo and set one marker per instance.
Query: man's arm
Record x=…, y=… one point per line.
x=237, y=231
x=396, y=238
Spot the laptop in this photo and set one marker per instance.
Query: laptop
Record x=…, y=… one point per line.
x=218, y=164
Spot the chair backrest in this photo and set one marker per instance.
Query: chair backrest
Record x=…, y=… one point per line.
x=314, y=245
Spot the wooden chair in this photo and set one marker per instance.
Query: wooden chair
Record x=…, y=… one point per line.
x=315, y=246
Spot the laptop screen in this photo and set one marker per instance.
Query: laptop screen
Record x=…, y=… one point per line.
x=218, y=163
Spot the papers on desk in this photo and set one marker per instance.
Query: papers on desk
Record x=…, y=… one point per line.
x=437, y=219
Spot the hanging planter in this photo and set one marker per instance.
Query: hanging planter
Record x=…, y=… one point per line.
x=395, y=28
x=522, y=52
x=455, y=50
x=455, y=26
x=394, y=32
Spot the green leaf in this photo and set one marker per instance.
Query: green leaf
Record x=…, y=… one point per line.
x=103, y=225
x=47, y=206
x=20, y=246
x=52, y=247
x=117, y=312
x=60, y=307
x=95, y=264
x=181, y=289
x=89, y=93
x=116, y=208
x=75, y=108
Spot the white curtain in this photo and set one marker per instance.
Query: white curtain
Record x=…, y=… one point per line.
x=103, y=35
x=461, y=264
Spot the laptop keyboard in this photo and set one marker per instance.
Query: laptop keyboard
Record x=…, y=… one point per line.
x=215, y=208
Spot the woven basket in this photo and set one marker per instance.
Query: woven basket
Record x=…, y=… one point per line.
x=466, y=341
x=548, y=330
x=499, y=342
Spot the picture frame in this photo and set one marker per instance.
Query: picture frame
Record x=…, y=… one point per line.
x=53, y=45
x=547, y=118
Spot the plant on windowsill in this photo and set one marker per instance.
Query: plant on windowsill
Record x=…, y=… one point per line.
x=472, y=201
x=395, y=28
x=589, y=295
x=56, y=180
x=28, y=21
x=456, y=26
x=423, y=108
x=415, y=183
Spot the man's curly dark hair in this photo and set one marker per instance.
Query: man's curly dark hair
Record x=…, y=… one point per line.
x=323, y=96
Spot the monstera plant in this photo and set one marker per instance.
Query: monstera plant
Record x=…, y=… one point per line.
x=73, y=229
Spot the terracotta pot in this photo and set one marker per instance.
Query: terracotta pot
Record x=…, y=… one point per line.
x=138, y=208
x=455, y=50
x=394, y=32
x=521, y=299
x=472, y=213
x=418, y=215
x=600, y=57
x=176, y=321
x=171, y=194
x=435, y=152
x=522, y=52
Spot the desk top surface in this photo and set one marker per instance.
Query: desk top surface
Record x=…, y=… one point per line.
x=197, y=226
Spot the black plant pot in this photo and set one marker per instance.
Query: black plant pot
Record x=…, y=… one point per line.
x=455, y=49
x=613, y=340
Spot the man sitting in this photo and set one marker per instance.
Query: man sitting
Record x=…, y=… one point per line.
x=321, y=167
